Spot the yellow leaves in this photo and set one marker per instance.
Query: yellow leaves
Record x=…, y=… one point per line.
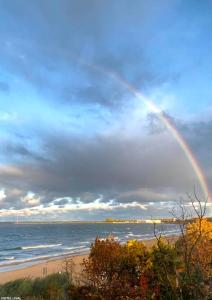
x=131, y=243
x=149, y=263
x=197, y=244
x=203, y=227
x=135, y=244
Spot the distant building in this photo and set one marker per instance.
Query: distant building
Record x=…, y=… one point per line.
x=153, y=221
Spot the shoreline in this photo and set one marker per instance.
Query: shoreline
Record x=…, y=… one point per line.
x=13, y=266
x=41, y=269
x=52, y=265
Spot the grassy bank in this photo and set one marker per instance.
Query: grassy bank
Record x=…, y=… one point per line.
x=54, y=286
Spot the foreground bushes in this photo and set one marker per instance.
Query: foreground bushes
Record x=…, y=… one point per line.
x=52, y=287
x=132, y=271
x=117, y=271
x=166, y=271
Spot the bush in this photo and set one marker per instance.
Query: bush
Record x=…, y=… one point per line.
x=52, y=287
x=132, y=271
x=20, y=287
x=163, y=274
x=194, y=248
x=114, y=270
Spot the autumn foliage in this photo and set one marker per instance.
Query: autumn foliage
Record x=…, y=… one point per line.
x=194, y=248
x=180, y=270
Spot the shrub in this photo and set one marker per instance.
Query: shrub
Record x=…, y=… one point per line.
x=52, y=287
x=194, y=248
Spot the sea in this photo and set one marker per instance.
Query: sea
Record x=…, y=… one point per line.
x=26, y=244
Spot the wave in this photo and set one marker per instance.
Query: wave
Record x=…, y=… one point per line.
x=31, y=247
x=4, y=263
x=26, y=260
x=2, y=259
x=151, y=236
x=135, y=235
x=9, y=258
x=40, y=246
x=74, y=248
x=168, y=232
x=11, y=249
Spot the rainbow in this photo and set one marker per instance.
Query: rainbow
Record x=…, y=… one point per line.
x=177, y=136
x=164, y=119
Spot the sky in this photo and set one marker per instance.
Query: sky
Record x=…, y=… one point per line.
x=76, y=143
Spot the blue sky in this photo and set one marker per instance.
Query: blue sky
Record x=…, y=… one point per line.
x=73, y=133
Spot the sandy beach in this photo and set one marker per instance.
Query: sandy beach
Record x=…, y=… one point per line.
x=42, y=269
x=55, y=265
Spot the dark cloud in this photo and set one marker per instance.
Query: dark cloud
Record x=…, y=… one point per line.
x=62, y=201
x=198, y=134
x=18, y=151
x=117, y=165
x=111, y=165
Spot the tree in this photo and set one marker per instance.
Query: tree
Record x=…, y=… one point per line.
x=194, y=249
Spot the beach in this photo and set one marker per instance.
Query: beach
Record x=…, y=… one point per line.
x=55, y=265
x=42, y=269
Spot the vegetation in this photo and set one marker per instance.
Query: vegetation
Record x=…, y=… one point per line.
x=52, y=287
x=114, y=271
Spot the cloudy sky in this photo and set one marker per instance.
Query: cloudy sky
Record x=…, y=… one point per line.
x=75, y=142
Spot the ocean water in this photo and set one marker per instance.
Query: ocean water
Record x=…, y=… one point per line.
x=22, y=244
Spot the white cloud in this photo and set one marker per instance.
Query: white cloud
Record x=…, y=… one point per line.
x=39, y=210
x=2, y=195
x=96, y=205
x=30, y=199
